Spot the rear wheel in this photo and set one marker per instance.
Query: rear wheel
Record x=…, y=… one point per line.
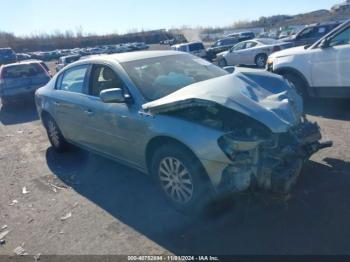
x=181, y=178
x=222, y=62
x=55, y=136
x=260, y=60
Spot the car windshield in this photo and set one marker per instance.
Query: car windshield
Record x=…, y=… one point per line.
x=160, y=76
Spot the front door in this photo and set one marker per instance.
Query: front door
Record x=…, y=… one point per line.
x=113, y=128
x=331, y=65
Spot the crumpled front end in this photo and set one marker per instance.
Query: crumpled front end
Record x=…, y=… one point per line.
x=268, y=162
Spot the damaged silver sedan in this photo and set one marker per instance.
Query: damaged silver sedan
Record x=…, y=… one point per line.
x=196, y=129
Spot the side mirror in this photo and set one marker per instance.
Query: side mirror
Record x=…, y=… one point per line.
x=113, y=95
x=324, y=43
x=229, y=69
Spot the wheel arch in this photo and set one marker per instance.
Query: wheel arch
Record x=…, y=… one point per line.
x=290, y=70
x=261, y=53
x=45, y=115
x=158, y=141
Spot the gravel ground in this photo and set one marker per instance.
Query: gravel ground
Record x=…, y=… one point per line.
x=80, y=203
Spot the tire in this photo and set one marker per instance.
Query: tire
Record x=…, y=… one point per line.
x=55, y=136
x=222, y=62
x=298, y=83
x=260, y=60
x=181, y=178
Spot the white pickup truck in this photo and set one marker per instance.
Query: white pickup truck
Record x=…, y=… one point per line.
x=319, y=70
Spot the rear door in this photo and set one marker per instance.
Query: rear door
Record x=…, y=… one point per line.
x=69, y=102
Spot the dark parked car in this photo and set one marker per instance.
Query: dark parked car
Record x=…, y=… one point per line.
x=7, y=56
x=20, y=80
x=311, y=33
x=22, y=57
x=243, y=36
x=221, y=46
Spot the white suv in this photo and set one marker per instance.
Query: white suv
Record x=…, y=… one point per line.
x=319, y=70
x=194, y=48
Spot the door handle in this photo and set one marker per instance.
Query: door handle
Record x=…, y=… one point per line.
x=57, y=103
x=89, y=112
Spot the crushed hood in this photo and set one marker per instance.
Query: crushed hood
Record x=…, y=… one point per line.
x=262, y=96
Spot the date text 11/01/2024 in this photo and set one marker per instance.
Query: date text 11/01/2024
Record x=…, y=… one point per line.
x=173, y=258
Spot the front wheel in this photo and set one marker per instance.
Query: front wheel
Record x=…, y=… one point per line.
x=222, y=62
x=181, y=178
x=55, y=136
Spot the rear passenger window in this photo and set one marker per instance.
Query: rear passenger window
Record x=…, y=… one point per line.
x=73, y=79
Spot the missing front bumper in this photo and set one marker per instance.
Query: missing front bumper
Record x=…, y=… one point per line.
x=276, y=166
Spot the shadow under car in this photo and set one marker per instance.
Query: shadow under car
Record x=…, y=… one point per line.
x=18, y=112
x=313, y=221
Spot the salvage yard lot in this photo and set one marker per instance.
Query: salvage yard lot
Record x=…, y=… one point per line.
x=80, y=203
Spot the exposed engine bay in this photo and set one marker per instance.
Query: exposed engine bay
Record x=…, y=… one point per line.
x=260, y=159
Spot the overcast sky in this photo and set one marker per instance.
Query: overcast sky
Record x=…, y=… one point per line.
x=24, y=17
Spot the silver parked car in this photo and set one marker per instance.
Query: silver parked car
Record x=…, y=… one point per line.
x=19, y=81
x=251, y=52
x=196, y=129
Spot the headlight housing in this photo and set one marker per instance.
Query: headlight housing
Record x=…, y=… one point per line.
x=239, y=148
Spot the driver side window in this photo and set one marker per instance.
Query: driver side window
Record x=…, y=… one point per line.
x=102, y=78
x=343, y=38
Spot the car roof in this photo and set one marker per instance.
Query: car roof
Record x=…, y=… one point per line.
x=26, y=62
x=132, y=56
x=190, y=43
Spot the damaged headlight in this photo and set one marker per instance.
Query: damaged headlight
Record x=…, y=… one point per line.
x=238, y=149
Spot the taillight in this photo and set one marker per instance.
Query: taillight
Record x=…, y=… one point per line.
x=276, y=48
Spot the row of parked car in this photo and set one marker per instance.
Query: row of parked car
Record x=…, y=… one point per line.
x=7, y=55
x=245, y=49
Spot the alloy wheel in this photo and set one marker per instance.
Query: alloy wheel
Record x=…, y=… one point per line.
x=176, y=180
